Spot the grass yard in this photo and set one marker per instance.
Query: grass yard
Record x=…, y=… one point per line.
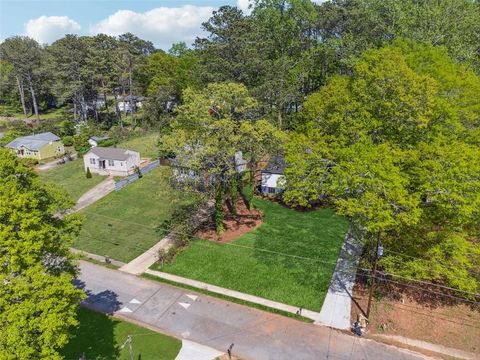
x=71, y=176
x=100, y=336
x=252, y=263
x=125, y=223
x=145, y=145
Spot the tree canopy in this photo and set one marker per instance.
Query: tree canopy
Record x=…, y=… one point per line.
x=38, y=301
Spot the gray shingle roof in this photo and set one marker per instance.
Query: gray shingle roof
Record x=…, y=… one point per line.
x=111, y=153
x=99, y=138
x=33, y=142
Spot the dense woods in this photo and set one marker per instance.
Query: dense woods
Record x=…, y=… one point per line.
x=375, y=104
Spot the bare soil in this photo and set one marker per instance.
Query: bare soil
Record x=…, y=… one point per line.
x=235, y=226
x=401, y=311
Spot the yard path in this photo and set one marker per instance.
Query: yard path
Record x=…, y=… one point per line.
x=337, y=306
x=95, y=194
x=218, y=323
x=142, y=263
x=52, y=164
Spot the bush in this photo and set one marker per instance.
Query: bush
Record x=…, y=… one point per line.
x=138, y=172
x=30, y=162
x=67, y=140
x=107, y=143
x=88, y=175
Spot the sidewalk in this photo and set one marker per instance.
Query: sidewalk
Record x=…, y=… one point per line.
x=142, y=263
x=234, y=294
x=337, y=306
x=96, y=257
x=191, y=350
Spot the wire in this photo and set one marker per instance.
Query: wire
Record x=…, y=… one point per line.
x=295, y=256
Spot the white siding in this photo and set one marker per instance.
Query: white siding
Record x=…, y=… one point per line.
x=272, y=180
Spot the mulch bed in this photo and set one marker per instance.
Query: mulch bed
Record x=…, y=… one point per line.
x=235, y=226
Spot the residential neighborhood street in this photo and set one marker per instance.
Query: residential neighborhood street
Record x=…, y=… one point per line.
x=218, y=324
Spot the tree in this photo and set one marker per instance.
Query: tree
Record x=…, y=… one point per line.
x=24, y=54
x=88, y=174
x=392, y=146
x=38, y=301
x=205, y=134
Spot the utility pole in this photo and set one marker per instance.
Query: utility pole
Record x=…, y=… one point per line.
x=130, y=346
x=378, y=254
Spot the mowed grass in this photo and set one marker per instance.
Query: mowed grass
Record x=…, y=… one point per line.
x=289, y=259
x=100, y=337
x=71, y=176
x=146, y=145
x=126, y=223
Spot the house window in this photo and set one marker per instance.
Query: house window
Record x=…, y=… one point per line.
x=111, y=163
x=121, y=164
x=92, y=161
x=271, y=190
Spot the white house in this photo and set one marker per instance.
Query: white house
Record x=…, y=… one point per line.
x=273, y=176
x=111, y=161
x=96, y=140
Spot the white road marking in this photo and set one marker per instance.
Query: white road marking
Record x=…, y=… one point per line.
x=135, y=301
x=184, y=305
x=125, y=310
x=193, y=297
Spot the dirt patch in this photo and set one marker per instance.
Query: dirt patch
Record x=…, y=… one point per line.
x=454, y=325
x=235, y=226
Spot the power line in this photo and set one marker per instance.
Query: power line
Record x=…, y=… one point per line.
x=193, y=237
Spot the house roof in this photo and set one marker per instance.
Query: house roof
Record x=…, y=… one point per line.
x=276, y=165
x=33, y=142
x=111, y=153
x=99, y=138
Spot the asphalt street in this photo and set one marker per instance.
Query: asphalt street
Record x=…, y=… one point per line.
x=216, y=323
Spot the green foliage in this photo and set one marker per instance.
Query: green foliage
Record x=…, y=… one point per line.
x=67, y=140
x=80, y=143
x=138, y=172
x=88, y=175
x=37, y=298
x=392, y=148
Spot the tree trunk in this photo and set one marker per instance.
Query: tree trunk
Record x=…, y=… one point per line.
x=22, y=95
x=34, y=100
x=105, y=96
x=219, y=214
x=117, y=110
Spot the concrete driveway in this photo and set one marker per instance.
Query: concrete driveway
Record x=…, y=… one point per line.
x=95, y=194
x=215, y=323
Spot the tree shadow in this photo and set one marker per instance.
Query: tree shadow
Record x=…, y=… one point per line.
x=94, y=338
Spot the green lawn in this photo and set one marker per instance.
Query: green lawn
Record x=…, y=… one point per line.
x=146, y=145
x=100, y=337
x=124, y=223
x=71, y=176
x=252, y=263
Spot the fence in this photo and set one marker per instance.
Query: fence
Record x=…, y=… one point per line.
x=134, y=177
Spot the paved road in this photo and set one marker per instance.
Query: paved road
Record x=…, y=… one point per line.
x=212, y=322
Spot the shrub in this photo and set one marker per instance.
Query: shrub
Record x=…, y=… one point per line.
x=138, y=172
x=30, y=162
x=88, y=175
x=67, y=140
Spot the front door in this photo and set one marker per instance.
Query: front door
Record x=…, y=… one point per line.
x=102, y=164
